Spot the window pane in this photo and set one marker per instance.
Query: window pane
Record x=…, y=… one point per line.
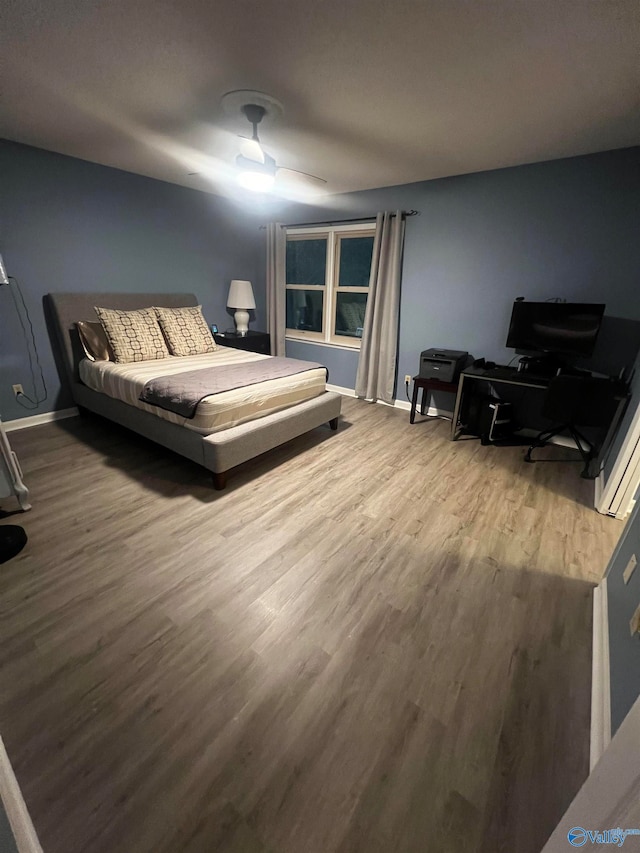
x=350, y=308
x=306, y=261
x=355, y=261
x=304, y=309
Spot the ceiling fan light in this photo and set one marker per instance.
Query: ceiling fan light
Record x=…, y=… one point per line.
x=258, y=177
x=258, y=182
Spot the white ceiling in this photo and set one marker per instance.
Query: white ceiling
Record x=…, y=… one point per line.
x=376, y=92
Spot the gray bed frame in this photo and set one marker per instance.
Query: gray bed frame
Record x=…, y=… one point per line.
x=218, y=452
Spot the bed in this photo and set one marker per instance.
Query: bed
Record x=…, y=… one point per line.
x=221, y=435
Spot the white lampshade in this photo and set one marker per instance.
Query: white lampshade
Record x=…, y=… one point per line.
x=240, y=295
x=241, y=298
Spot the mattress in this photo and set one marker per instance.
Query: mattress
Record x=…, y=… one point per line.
x=216, y=412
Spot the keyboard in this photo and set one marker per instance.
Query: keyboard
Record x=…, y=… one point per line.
x=509, y=373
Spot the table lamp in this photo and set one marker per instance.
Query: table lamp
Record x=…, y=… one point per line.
x=241, y=298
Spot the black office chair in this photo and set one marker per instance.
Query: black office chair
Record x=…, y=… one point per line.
x=577, y=401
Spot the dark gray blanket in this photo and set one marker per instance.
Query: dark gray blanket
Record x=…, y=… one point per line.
x=182, y=393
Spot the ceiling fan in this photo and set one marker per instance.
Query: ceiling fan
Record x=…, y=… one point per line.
x=258, y=170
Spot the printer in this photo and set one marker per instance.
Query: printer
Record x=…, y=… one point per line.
x=442, y=364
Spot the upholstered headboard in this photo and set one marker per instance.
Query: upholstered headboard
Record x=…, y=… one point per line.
x=68, y=308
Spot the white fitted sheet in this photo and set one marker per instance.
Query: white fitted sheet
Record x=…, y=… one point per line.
x=216, y=412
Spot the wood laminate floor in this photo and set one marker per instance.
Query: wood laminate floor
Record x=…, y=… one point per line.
x=375, y=640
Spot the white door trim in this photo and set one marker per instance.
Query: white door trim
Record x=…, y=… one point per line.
x=15, y=807
x=600, y=677
x=610, y=798
x=623, y=469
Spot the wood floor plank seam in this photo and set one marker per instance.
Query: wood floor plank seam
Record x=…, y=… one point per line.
x=374, y=640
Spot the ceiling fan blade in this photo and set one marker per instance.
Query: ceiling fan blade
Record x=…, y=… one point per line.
x=252, y=150
x=287, y=174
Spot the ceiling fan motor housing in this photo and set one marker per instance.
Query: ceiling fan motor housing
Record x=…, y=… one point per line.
x=254, y=106
x=255, y=113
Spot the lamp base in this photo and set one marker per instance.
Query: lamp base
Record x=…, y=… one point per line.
x=242, y=322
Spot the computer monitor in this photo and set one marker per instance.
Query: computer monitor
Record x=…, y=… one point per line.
x=566, y=328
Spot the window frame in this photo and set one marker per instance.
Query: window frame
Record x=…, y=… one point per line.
x=333, y=234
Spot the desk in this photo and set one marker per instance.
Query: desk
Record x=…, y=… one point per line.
x=510, y=376
x=492, y=376
x=427, y=385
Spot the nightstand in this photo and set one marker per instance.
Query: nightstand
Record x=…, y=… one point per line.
x=252, y=341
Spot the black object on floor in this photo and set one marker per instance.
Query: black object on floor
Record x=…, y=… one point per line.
x=12, y=541
x=513, y=441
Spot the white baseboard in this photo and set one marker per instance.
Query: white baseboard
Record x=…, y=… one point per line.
x=15, y=807
x=346, y=392
x=44, y=418
x=397, y=404
x=558, y=440
x=432, y=411
x=600, y=677
x=564, y=441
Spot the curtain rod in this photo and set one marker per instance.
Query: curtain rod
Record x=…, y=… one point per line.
x=340, y=221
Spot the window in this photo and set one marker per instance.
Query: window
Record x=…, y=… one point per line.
x=327, y=282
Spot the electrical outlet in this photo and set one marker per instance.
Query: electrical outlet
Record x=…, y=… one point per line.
x=407, y=379
x=17, y=389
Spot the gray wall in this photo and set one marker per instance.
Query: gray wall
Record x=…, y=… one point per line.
x=566, y=228
x=71, y=225
x=341, y=363
x=624, y=650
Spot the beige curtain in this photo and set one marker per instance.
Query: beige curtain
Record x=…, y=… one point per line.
x=276, y=254
x=378, y=352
